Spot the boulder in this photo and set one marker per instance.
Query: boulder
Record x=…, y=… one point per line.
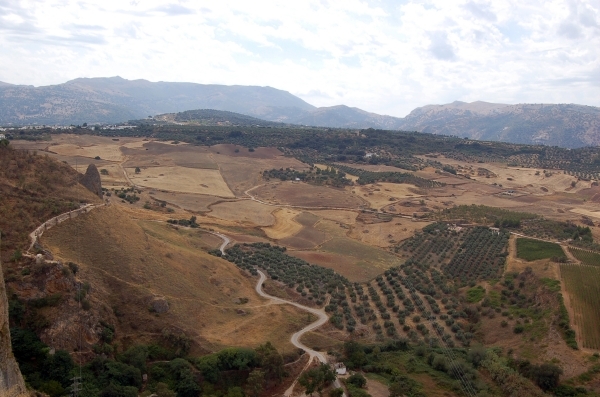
x=159, y=305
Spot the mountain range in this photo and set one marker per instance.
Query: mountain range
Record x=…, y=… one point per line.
x=114, y=100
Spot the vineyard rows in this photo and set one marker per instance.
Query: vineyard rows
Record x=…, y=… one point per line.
x=586, y=257
x=583, y=285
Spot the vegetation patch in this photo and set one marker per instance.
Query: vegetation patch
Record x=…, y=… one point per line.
x=366, y=177
x=532, y=250
x=475, y=294
x=315, y=176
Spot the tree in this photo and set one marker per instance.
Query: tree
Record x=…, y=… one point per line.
x=546, y=376
x=316, y=379
x=270, y=361
x=404, y=386
x=255, y=383
x=337, y=392
x=137, y=170
x=235, y=392
x=357, y=380
x=162, y=390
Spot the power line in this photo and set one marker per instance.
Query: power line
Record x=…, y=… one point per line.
x=77, y=384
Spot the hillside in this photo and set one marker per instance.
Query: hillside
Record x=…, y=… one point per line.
x=211, y=117
x=347, y=117
x=114, y=99
x=33, y=188
x=554, y=125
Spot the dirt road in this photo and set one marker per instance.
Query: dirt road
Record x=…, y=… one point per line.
x=295, y=339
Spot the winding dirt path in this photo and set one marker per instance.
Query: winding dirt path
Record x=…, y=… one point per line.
x=295, y=338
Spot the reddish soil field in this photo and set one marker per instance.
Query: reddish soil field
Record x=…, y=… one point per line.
x=344, y=265
x=307, y=238
x=305, y=195
x=258, y=153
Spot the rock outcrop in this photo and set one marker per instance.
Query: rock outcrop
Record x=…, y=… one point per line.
x=91, y=180
x=11, y=380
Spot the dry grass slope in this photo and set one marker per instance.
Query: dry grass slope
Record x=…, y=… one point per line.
x=128, y=263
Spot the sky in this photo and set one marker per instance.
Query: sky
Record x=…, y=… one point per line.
x=383, y=56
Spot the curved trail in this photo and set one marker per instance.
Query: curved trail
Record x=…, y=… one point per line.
x=295, y=338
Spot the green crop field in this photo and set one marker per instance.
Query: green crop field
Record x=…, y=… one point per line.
x=532, y=250
x=586, y=257
x=583, y=286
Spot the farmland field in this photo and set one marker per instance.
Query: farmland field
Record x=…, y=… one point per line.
x=301, y=194
x=532, y=250
x=586, y=257
x=285, y=225
x=245, y=211
x=583, y=285
x=182, y=179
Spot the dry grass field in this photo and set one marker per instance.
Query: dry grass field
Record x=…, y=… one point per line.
x=115, y=176
x=308, y=237
x=346, y=265
x=285, y=225
x=369, y=261
x=332, y=228
x=182, y=179
x=346, y=217
x=185, y=201
x=381, y=194
x=385, y=234
x=246, y=212
x=105, y=152
x=521, y=178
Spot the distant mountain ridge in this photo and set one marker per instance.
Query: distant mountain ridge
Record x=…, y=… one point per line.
x=565, y=125
x=114, y=99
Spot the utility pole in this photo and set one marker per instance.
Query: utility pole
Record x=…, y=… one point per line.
x=76, y=386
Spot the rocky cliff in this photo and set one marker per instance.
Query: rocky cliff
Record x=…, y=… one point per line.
x=11, y=380
x=91, y=180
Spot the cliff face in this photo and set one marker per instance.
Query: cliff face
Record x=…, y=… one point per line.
x=91, y=180
x=11, y=380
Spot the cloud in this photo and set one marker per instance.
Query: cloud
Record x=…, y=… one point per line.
x=569, y=30
x=383, y=56
x=441, y=48
x=175, y=10
x=481, y=11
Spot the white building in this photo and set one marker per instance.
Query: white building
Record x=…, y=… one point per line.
x=2, y=137
x=340, y=368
